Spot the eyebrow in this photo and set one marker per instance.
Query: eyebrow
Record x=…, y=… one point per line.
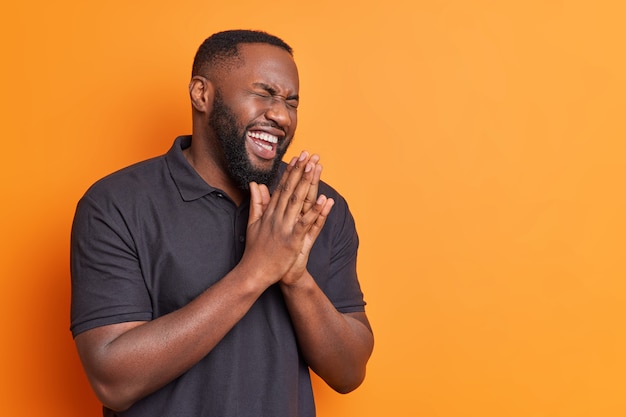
x=273, y=91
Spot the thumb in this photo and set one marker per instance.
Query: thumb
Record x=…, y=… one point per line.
x=259, y=199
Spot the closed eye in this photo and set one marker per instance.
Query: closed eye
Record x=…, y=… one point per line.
x=266, y=91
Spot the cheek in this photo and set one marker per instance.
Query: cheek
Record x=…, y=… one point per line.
x=294, y=121
x=254, y=114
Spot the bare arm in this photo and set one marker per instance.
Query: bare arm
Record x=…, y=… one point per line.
x=336, y=346
x=127, y=361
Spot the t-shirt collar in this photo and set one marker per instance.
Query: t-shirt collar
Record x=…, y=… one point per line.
x=189, y=183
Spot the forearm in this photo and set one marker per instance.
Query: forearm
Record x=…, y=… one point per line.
x=336, y=346
x=128, y=361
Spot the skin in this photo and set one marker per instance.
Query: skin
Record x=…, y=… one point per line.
x=120, y=359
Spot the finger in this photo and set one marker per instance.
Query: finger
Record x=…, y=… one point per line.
x=320, y=221
x=311, y=196
x=293, y=187
x=256, y=203
x=265, y=195
x=278, y=191
x=300, y=189
x=313, y=221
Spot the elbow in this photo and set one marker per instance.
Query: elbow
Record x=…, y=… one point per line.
x=348, y=376
x=113, y=397
x=347, y=387
x=348, y=383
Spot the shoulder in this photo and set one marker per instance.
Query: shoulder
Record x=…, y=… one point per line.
x=340, y=221
x=340, y=202
x=125, y=194
x=137, y=178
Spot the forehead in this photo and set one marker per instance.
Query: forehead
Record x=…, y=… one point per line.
x=263, y=63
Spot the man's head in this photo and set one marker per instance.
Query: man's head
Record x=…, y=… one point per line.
x=218, y=50
x=249, y=82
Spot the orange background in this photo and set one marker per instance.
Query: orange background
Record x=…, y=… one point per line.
x=480, y=145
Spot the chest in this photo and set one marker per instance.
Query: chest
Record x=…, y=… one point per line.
x=184, y=247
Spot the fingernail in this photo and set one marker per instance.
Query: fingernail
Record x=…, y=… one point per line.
x=303, y=155
x=293, y=161
x=308, y=167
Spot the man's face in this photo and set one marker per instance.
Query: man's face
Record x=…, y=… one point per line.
x=232, y=137
x=254, y=113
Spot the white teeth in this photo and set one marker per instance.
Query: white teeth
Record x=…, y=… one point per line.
x=264, y=146
x=264, y=136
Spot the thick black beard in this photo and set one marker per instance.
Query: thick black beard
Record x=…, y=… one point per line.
x=232, y=137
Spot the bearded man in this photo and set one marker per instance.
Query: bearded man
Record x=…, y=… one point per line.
x=209, y=280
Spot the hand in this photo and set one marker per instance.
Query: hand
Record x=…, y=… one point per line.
x=321, y=206
x=283, y=227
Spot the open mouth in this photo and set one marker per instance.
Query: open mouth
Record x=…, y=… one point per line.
x=264, y=140
x=264, y=144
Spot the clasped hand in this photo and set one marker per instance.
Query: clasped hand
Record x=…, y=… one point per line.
x=283, y=227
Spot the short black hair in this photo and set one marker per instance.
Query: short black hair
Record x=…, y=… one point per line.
x=219, y=47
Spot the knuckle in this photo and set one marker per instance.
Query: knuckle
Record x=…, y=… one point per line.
x=302, y=221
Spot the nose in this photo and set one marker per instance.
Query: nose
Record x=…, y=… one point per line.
x=280, y=113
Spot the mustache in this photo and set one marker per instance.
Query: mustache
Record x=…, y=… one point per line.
x=265, y=124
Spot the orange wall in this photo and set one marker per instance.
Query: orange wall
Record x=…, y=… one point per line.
x=481, y=145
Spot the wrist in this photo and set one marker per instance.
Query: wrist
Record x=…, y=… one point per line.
x=253, y=277
x=299, y=283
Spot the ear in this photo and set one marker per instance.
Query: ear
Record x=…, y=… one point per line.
x=201, y=92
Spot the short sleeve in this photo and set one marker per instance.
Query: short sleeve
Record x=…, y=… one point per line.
x=334, y=256
x=107, y=283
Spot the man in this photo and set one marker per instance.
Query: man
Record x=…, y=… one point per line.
x=207, y=281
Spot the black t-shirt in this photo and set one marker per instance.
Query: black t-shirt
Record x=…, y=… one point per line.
x=150, y=238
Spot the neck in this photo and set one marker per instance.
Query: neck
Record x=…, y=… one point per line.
x=211, y=171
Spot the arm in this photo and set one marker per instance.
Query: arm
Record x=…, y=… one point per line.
x=336, y=346
x=120, y=359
